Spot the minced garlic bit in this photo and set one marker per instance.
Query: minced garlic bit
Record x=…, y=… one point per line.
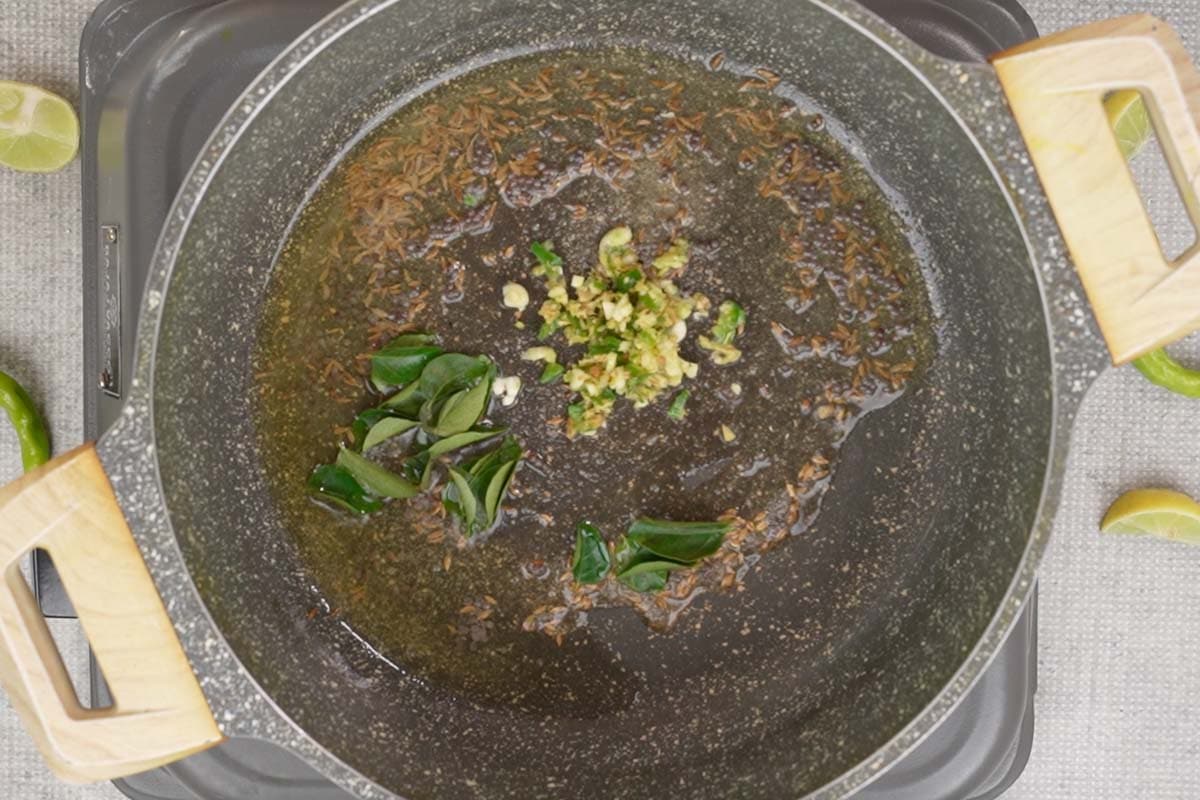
x=507, y=389
x=516, y=296
x=736, y=389
x=632, y=318
x=727, y=434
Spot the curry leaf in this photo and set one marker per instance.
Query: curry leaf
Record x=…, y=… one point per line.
x=417, y=468
x=401, y=360
x=679, y=541
x=459, y=499
x=407, y=402
x=497, y=488
x=650, y=576
x=446, y=376
x=385, y=429
x=485, y=480
x=483, y=468
x=645, y=581
x=460, y=440
x=334, y=484
x=441, y=378
x=364, y=421
x=374, y=478
x=451, y=372
x=591, y=561
x=448, y=445
x=629, y=554
x=464, y=408
x=646, y=567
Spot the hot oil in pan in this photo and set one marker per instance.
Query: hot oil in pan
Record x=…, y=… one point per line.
x=425, y=221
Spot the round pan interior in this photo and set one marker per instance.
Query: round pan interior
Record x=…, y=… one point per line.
x=839, y=641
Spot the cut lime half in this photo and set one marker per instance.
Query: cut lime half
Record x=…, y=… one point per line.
x=1154, y=512
x=39, y=131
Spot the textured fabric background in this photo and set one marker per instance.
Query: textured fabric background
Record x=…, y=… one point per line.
x=1118, y=704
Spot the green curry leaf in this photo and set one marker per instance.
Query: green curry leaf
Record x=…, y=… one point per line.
x=591, y=561
x=497, y=489
x=443, y=396
x=401, y=360
x=375, y=479
x=650, y=567
x=406, y=402
x=486, y=465
x=444, y=377
x=364, y=421
x=652, y=549
x=460, y=500
x=334, y=484
x=687, y=542
x=464, y=408
x=486, y=480
x=458, y=441
x=629, y=559
x=417, y=468
x=385, y=429
x=645, y=581
x=629, y=554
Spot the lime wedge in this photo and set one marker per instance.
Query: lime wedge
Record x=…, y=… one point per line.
x=1154, y=512
x=39, y=131
x=1129, y=119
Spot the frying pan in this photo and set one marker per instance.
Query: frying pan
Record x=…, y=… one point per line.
x=190, y=589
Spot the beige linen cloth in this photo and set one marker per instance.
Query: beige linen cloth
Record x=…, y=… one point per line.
x=1118, y=705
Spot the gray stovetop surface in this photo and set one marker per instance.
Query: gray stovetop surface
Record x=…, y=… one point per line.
x=1118, y=701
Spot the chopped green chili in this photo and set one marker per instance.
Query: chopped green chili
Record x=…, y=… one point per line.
x=678, y=409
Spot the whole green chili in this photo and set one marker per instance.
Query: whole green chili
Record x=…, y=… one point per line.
x=31, y=431
x=1160, y=368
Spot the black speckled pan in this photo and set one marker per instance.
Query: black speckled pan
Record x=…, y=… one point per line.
x=913, y=574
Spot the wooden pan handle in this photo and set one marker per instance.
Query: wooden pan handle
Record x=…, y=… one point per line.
x=1056, y=86
x=159, y=714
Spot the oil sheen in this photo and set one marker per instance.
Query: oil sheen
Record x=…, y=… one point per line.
x=418, y=228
